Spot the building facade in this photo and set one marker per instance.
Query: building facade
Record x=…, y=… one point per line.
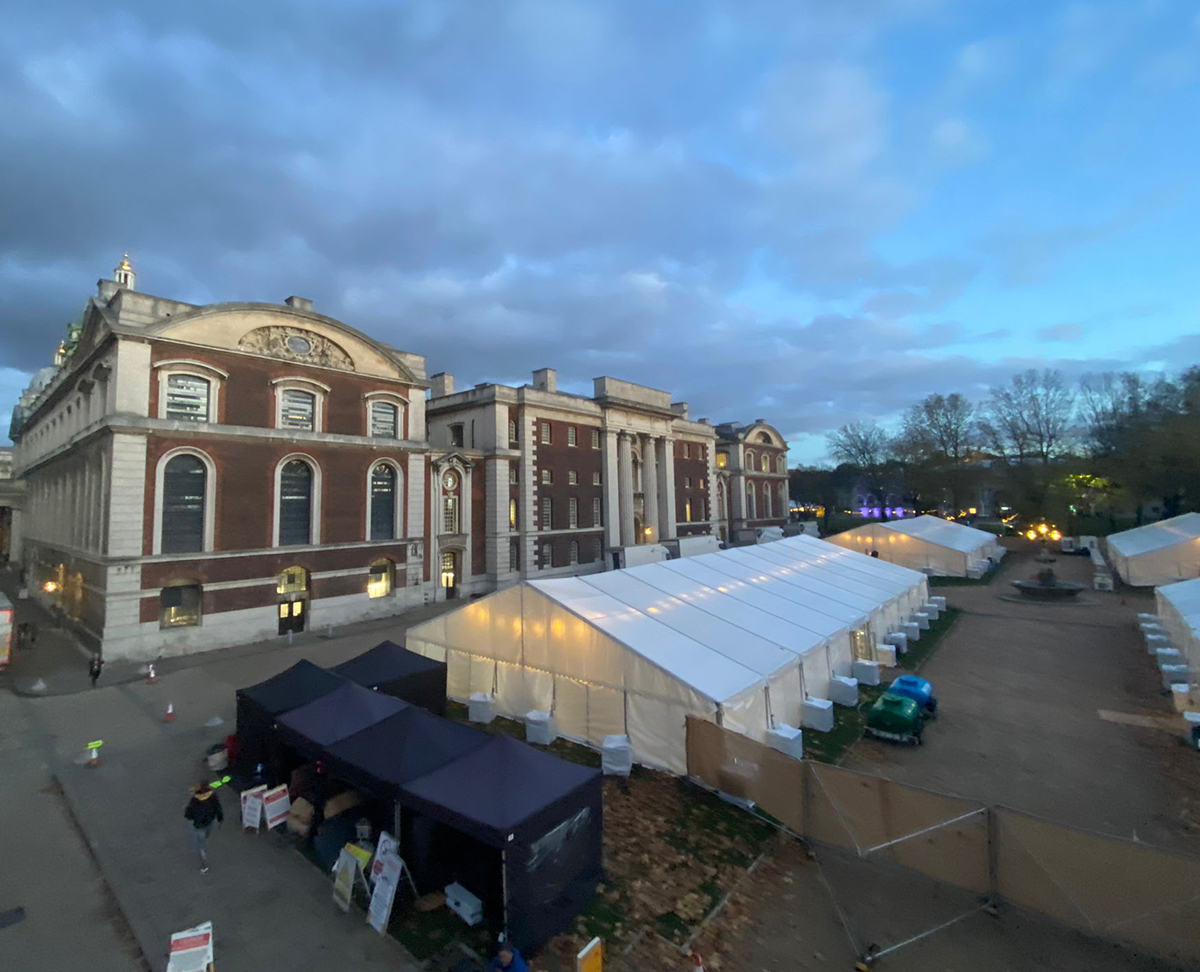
x=199, y=476
x=192, y=477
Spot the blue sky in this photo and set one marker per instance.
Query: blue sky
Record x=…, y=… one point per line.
x=806, y=211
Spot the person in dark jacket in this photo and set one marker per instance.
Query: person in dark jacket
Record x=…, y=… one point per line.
x=204, y=811
x=508, y=959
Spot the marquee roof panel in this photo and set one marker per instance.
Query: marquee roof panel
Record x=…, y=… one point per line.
x=1156, y=536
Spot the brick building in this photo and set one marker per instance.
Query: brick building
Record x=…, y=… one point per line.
x=202, y=476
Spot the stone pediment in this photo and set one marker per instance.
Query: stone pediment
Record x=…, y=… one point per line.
x=296, y=344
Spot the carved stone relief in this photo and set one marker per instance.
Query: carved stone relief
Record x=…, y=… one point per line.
x=296, y=344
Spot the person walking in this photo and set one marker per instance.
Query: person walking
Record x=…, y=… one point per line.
x=204, y=811
x=95, y=668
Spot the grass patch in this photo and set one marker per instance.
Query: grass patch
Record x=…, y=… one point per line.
x=965, y=581
x=848, y=726
x=916, y=655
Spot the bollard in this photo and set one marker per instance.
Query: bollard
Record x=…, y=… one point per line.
x=169, y=715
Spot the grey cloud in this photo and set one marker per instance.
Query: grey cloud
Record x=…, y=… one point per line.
x=1061, y=332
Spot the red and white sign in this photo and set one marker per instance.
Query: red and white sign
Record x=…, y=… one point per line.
x=276, y=806
x=252, y=807
x=192, y=950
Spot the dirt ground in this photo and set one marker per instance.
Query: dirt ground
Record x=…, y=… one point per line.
x=1039, y=710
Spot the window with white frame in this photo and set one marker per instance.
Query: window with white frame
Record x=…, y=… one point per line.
x=571, y=436
x=574, y=551
x=547, y=555
x=750, y=511
x=297, y=409
x=547, y=513
x=546, y=433
x=597, y=548
x=449, y=514
x=512, y=474
x=187, y=398
x=385, y=420
x=383, y=502
x=547, y=477
x=595, y=479
x=514, y=554
x=766, y=463
x=184, y=495
x=595, y=438
x=596, y=512
x=572, y=478
x=295, y=503
x=781, y=464
x=572, y=512
x=512, y=431
x=749, y=459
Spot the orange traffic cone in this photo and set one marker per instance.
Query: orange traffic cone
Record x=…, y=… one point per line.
x=151, y=675
x=93, y=757
x=697, y=962
x=169, y=715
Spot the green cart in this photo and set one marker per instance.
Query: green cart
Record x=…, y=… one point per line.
x=896, y=719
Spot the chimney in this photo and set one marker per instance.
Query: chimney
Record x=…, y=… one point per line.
x=441, y=385
x=545, y=379
x=299, y=303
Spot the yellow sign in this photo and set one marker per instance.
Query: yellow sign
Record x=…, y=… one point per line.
x=591, y=959
x=362, y=855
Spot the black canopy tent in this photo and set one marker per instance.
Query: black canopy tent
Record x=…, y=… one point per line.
x=334, y=716
x=401, y=673
x=540, y=816
x=259, y=705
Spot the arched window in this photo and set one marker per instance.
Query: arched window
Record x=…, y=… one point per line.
x=295, y=503
x=783, y=500
x=781, y=464
x=379, y=578
x=184, y=484
x=385, y=420
x=766, y=501
x=720, y=501
x=749, y=459
x=764, y=437
x=750, y=511
x=383, y=501
x=766, y=463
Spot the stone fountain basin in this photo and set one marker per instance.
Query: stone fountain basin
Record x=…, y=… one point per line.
x=1058, y=591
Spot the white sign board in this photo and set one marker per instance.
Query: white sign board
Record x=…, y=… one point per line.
x=276, y=805
x=192, y=950
x=252, y=807
x=386, y=870
x=387, y=845
x=343, y=879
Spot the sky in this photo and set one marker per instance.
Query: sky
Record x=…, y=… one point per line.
x=808, y=211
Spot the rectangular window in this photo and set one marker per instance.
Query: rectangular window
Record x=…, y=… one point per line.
x=547, y=555
x=180, y=606
x=512, y=514
x=722, y=460
x=297, y=409
x=597, y=548
x=687, y=482
x=546, y=432
x=450, y=514
x=385, y=422
x=574, y=552
x=512, y=431
x=687, y=451
x=701, y=482
x=187, y=398
x=514, y=554
x=595, y=479
x=596, y=512
x=456, y=435
x=547, y=508
x=571, y=436
x=687, y=510
x=573, y=478
x=572, y=512
x=595, y=438
x=512, y=474
x=547, y=477
x=379, y=579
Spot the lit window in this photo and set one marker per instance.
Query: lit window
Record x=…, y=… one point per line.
x=385, y=420
x=184, y=486
x=295, y=503
x=449, y=569
x=180, y=606
x=297, y=409
x=595, y=479
x=512, y=431
x=546, y=432
x=572, y=512
x=687, y=510
x=547, y=477
x=514, y=554
x=379, y=579
x=449, y=514
x=596, y=512
x=456, y=435
x=383, y=502
x=574, y=552
x=187, y=398
x=293, y=580
x=766, y=463
x=573, y=478
x=512, y=514
x=722, y=460
x=595, y=438
x=547, y=555
x=700, y=482
x=571, y=436
x=546, y=513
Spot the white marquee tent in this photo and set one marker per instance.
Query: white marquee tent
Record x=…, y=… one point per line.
x=740, y=635
x=1179, y=609
x=926, y=543
x=1160, y=553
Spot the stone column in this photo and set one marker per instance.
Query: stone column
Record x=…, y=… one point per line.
x=610, y=490
x=625, y=471
x=650, y=488
x=666, y=488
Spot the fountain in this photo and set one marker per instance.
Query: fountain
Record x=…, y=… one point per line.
x=1047, y=587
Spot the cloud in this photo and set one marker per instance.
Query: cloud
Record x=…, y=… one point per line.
x=1061, y=332
x=955, y=143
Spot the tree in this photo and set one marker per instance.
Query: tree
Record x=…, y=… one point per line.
x=939, y=433
x=1030, y=418
x=868, y=448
